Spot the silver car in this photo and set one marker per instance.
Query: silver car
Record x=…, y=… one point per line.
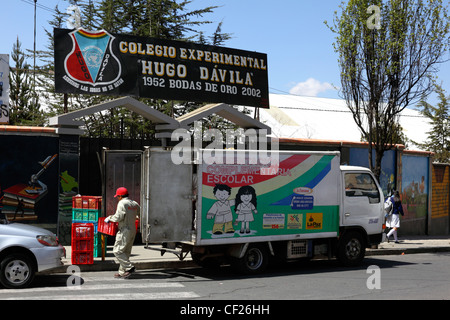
x=25, y=250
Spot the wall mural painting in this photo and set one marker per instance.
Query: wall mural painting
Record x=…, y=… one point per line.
x=359, y=157
x=27, y=174
x=415, y=186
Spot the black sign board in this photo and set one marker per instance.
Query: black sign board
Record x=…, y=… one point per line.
x=112, y=64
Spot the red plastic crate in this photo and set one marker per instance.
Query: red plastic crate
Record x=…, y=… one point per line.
x=83, y=245
x=82, y=231
x=94, y=202
x=82, y=257
x=77, y=202
x=109, y=228
x=87, y=202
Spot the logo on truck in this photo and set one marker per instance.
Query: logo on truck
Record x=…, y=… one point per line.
x=314, y=221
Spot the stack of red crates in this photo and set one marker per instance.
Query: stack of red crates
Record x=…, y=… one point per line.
x=87, y=209
x=83, y=243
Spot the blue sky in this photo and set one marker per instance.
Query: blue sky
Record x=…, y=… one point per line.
x=301, y=59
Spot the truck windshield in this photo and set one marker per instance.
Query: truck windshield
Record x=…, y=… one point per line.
x=361, y=185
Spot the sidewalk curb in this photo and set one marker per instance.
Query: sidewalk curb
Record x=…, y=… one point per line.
x=400, y=251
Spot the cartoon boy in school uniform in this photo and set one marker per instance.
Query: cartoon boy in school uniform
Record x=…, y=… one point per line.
x=221, y=210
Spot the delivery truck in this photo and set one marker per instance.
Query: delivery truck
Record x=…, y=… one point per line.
x=247, y=208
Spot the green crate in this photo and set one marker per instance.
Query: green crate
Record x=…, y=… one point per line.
x=98, y=245
x=89, y=215
x=92, y=215
x=85, y=214
x=77, y=214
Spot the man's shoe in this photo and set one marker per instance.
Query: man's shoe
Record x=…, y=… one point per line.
x=128, y=273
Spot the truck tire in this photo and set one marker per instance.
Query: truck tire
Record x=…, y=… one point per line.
x=16, y=271
x=351, y=249
x=254, y=261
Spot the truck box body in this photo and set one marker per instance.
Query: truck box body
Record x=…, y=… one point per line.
x=298, y=198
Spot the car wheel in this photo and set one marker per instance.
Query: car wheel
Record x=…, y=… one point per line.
x=16, y=271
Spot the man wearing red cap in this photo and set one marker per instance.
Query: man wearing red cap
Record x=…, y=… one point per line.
x=126, y=214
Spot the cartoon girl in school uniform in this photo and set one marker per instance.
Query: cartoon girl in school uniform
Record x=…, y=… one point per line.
x=245, y=206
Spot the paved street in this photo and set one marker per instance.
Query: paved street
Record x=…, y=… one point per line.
x=100, y=286
x=409, y=276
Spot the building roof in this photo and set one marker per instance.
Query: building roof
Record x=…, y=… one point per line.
x=292, y=116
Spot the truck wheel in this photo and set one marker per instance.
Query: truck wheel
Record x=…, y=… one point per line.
x=16, y=271
x=351, y=249
x=255, y=260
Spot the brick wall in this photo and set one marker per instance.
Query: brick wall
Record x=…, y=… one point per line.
x=440, y=204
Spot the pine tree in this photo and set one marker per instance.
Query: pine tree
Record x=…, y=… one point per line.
x=166, y=19
x=25, y=108
x=54, y=103
x=438, y=140
x=89, y=17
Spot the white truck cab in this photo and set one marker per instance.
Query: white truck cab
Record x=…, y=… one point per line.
x=361, y=200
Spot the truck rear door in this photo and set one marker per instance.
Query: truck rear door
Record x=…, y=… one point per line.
x=167, y=198
x=121, y=169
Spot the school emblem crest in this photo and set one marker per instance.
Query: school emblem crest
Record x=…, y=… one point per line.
x=91, y=60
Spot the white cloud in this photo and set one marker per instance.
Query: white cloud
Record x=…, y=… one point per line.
x=311, y=87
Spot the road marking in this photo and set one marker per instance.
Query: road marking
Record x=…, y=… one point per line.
x=118, y=296
x=110, y=286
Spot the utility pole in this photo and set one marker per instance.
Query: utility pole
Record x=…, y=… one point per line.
x=34, y=48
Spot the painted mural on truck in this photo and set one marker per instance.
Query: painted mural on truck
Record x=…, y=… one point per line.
x=298, y=196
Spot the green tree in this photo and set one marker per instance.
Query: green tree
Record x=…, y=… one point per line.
x=168, y=19
x=388, y=54
x=25, y=109
x=438, y=140
x=54, y=103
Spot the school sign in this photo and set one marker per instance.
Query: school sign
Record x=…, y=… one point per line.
x=112, y=64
